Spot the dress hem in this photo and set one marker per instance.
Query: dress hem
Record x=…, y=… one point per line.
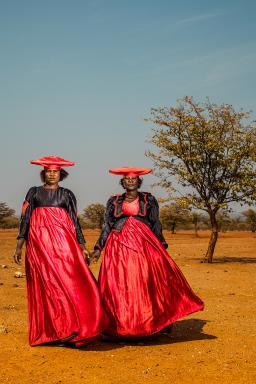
x=72, y=341
x=157, y=329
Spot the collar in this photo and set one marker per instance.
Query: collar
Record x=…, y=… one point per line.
x=143, y=202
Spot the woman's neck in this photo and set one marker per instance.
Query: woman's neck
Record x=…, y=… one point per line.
x=131, y=195
x=51, y=186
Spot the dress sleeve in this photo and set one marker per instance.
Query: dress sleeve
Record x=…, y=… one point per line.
x=107, y=225
x=72, y=211
x=27, y=208
x=156, y=225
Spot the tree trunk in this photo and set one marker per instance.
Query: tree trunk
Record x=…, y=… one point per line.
x=173, y=225
x=213, y=239
x=196, y=229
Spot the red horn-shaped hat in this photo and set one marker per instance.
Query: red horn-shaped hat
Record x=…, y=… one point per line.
x=52, y=162
x=130, y=171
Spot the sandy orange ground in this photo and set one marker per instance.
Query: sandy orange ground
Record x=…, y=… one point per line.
x=214, y=346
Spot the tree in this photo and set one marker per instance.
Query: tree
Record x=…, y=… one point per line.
x=236, y=223
x=171, y=215
x=211, y=150
x=94, y=213
x=5, y=212
x=9, y=222
x=196, y=218
x=250, y=216
x=223, y=220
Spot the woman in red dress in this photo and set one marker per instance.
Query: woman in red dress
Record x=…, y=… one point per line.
x=63, y=299
x=142, y=289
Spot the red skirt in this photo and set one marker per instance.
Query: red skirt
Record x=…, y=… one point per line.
x=142, y=289
x=63, y=297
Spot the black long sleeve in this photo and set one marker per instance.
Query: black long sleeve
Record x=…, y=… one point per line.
x=27, y=209
x=156, y=225
x=72, y=211
x=107, y=225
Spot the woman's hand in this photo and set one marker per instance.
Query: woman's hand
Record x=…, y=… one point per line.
x=18, y=252
x=17, y=255
x=86, y=254
x=95, y=255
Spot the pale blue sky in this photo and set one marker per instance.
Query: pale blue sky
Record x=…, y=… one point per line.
x=77, y=78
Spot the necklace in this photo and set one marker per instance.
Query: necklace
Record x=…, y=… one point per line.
x=131, y=197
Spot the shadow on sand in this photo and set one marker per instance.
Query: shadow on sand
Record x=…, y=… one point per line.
x=242, y=260
x=183, y=331
x=227, y=259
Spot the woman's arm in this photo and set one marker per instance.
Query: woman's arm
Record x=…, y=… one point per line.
x=26, y=212
x=72, y=211
x=156, y=225
x=106, y=229
x=18, y=251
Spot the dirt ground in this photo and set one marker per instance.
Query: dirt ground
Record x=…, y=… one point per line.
x=213, y=346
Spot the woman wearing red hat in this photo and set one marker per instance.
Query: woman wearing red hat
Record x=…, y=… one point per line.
x=142, y=289
x=63, y=298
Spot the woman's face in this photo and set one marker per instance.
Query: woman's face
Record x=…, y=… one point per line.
x=131, y=183
x=52, y=176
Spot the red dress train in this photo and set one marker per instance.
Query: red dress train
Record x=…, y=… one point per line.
x=142, y=289
x=63, y=298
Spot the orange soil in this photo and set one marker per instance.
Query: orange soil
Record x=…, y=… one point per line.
x=214, y=346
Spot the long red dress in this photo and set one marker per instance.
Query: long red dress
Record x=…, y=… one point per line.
x=63, y=298
x=142, y=289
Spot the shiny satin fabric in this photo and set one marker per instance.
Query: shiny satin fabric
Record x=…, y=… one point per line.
x=131, y=208
x=142, y=289
x=63, y=297
x=38, y=197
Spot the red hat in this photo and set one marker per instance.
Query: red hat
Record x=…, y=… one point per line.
x=52, y=162
x=130, y=171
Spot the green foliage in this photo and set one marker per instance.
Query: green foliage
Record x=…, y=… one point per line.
x=7, y=218
x=93, y=216
x=171, y=215
x=196, y=219
x=211, y=151
x=9, y=222
x=206, y=147
x=223, y=220
x=250, y=216
x=5, y=211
